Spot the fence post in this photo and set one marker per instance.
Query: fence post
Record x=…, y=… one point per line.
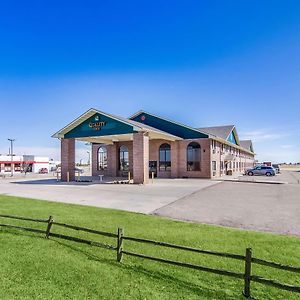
x=50, y=222
x=120, y=245
x=247, y=278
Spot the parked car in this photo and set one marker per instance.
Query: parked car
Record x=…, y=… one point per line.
x=43, y=171
x=79, y=171
x=261, y=170
x=276, y=167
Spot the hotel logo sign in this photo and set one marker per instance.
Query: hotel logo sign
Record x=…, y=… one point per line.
x=97, y=124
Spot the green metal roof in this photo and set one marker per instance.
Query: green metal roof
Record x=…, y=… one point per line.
x=166, y=125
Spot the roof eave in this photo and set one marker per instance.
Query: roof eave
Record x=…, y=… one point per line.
x=176, y=123
x=61, y=133
x=218, y=139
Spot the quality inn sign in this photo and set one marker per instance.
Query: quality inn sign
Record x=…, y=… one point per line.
x=97, y=124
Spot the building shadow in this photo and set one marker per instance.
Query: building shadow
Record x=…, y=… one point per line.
x=87, y=180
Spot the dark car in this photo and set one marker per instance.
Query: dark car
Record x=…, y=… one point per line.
x=43, y=171
x=261, y=170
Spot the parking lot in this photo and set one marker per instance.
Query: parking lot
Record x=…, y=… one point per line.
x=235, y=203
x=247, y=205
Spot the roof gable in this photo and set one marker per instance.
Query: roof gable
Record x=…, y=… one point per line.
x=247, y=144
x=219, y=131
x=95, y=123
x=227, y=132
x=166, y=125
x=232, y=138
x=99, y=125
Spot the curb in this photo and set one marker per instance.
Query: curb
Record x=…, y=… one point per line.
x=248, y=181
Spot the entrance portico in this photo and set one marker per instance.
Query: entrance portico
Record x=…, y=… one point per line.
x=111, y=132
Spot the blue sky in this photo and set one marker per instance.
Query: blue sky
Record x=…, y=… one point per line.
x=202, y=63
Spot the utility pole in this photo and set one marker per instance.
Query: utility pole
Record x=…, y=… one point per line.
x=89, y=161
x=11, y=156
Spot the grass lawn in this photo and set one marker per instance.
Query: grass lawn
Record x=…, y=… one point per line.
x=35, y=268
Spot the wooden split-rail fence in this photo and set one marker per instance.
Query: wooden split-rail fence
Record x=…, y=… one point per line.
x=248, y=259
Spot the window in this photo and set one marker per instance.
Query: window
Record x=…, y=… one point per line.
x=102, y=158
x=223, y=148
x=7, y=167
x=18, y=167
x=214, y=146
x=165, y=157
x=214, y=165
x=193, y=157
x=124, y=158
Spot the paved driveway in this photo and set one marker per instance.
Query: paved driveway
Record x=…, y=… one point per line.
x=266, y=207
x=136, y=198
x=256, y=206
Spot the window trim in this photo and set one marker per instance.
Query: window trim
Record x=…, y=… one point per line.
x=194, y=165
x=98, y=158
x=164, y=165
x=121, y=156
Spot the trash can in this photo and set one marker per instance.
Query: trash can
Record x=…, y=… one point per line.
x=229, y=172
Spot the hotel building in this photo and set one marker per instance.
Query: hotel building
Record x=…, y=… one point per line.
x=146, y=144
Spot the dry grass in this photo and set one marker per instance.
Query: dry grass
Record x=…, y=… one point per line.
x=290, y=167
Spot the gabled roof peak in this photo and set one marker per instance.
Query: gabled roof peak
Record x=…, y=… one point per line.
x=219, y=131
x=247, y=144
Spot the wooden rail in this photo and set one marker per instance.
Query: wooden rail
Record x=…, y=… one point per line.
x=23, y=218
x=23, y=228
x=120, y=238
x=275, y=265
x=163, y=244
x=276, y=284
x=108, y=234
x=182, y=264
x=83, y=241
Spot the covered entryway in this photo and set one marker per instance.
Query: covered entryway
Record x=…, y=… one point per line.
x=125, y=141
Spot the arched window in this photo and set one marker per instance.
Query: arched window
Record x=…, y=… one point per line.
x=165, y=157
x=123, y=158
x=193, y=157
x=102, y=158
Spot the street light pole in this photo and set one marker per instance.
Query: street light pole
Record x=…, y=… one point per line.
x=11, y=156
x=89, y=161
